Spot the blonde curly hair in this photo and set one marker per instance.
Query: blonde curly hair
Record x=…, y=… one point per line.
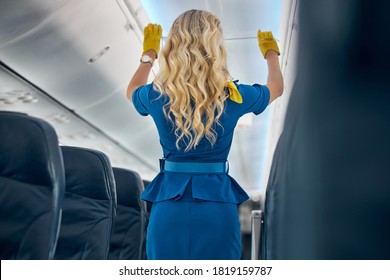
x=193, y=74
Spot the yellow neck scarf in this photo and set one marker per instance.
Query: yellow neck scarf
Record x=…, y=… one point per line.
x=234, y=93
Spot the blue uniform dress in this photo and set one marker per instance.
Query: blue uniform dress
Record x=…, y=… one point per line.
x=195, y=216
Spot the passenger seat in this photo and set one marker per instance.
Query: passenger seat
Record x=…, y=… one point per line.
x=31, y=187
x=89, y=205
x=128, y=239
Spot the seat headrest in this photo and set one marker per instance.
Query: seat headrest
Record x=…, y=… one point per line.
x=88, y=173
x=18, y=160
x=129, y=187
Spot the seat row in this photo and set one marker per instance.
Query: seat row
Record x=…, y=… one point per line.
x=60, y=202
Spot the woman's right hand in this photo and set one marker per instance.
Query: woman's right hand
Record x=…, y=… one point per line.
x=267, y=42
x=152, y=38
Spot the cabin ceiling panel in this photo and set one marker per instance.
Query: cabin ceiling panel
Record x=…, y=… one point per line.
x=20, y=17
x=238, y=18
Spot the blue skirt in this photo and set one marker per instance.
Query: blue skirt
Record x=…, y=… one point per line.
x=193, y=229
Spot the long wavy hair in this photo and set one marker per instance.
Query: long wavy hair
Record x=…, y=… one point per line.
x=193, y=74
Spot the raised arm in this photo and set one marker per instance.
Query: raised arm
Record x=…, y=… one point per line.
x=152, y=37
x=140, y=76
x=269, y=49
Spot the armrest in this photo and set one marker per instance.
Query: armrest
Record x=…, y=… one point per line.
x=256, y=221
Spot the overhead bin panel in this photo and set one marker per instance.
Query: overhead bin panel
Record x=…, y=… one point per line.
x=80, y=53
x=118, y=118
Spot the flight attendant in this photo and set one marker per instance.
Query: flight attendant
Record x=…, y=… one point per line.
x=195, y=107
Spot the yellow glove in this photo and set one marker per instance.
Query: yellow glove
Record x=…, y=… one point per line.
x=152, y=37
x=267, y=42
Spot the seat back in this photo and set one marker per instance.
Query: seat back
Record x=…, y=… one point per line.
x=128, y=239
x=332, y=161
x=89, y=205
x=31, y=187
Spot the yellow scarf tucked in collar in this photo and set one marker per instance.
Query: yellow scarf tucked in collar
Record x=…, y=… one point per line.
x=234, y=94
